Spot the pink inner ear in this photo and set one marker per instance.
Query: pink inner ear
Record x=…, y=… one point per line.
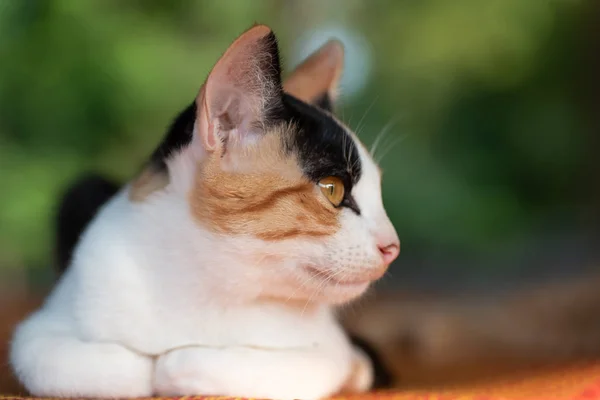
x=211, y=140
x=205, y=128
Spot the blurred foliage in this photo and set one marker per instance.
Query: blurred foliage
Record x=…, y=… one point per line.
x=483, y=95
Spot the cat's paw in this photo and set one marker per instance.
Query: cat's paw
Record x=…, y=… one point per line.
x=179, y=374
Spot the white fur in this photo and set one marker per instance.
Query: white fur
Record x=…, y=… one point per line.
x=154, y=304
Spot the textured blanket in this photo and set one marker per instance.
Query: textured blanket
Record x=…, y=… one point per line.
x=573, y=383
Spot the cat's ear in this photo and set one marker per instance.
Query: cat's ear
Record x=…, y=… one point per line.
x=316, y=80
x=242, y=93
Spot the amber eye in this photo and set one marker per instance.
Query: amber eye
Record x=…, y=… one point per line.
x=333, y=188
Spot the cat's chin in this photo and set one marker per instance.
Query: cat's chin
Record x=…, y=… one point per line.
x=336, y=289
x=343, y=293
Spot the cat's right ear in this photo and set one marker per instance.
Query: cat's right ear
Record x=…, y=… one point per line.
x=242, y=92
x=316, y=79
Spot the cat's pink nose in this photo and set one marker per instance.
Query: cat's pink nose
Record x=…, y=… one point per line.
x=389, y=251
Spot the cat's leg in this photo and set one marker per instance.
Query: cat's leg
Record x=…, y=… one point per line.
x=51, y=361
x=249, y=372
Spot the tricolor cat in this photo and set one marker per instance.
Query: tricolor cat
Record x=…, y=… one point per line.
x=217, y=269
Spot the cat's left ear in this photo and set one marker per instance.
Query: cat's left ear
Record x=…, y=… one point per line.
x=315, y=81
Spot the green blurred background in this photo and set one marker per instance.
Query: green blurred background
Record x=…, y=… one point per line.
x=489, y=110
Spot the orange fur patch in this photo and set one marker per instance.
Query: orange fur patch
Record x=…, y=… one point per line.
x=273, y=201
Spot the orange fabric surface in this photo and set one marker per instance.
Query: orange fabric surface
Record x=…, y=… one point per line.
x=574, y=383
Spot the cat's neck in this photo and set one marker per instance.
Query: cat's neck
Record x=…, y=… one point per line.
x=159, y=241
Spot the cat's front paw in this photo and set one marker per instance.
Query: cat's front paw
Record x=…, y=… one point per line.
x=179, y=374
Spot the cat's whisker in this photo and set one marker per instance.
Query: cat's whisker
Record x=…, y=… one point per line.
x=352, y=165
x=321, y=284
x=305, y=280
x=345, y=147
x=382, y=134
x=355, y=163
x=391, y=146
x=359, y=126
x=303, y=283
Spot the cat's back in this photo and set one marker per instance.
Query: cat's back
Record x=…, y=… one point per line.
x=103, y=279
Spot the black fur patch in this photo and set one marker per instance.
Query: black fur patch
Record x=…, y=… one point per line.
x=324, y=147
x=324, y=102
x=178, y=136
x=76, y=209
x=270, y=66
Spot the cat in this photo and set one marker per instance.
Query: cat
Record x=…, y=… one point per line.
x=219, y=267
x=425, y=339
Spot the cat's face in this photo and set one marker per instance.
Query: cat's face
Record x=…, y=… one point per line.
x=290, y=192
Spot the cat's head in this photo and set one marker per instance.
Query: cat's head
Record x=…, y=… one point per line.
x=287, y=190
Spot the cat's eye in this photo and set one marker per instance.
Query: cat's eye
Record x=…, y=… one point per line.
x=333, y=188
